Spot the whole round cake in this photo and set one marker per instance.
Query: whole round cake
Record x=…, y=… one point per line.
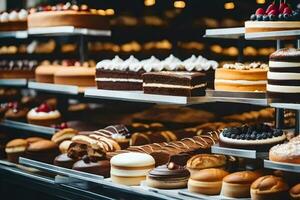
x=241, y=77
x=284, y=76
x=277, y=17
x=259, y=137
x=79, y=16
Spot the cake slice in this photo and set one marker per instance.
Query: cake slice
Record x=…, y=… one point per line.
x=175, y=83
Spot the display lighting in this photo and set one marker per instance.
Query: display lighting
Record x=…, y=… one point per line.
x=229, y=6
x=149, y=2
x=179, y=4
x=260, y=1
x=109, y=11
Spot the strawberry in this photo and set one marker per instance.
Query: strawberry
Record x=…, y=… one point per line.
x=43, y=108
x=260, y=11
x=63, y=125
x=272, y=6
x=288, y=11
x=273, y=12
x=282, y=7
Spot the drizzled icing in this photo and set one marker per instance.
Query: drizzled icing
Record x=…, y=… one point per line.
x=171, y=63
x=242, y=66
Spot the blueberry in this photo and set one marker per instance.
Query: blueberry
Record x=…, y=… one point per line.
x=278, y=132
x=255, y=133
x=253, y=137
x=242, y=136
x=244, y=129
x=250, y=130
x=280, y=17
x=266, y=18
x=235, y=131
x=253, y=17
x=233, y=136
x=259, y=17
x=248, y=137
x=226, y=134
x=272, y=17
x=265, y=135
x=238, y=137
x=286, y=17
x=270, y=134
x=259, y=137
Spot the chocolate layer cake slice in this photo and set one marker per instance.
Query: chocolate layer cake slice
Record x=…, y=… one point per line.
x=175, y=83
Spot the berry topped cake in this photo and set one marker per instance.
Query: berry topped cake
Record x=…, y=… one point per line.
x=14, y=20
x=242, y=77
x=260, y=137
x=43, y=115
x=284, y=76
x=79, y=16
x=277, y=17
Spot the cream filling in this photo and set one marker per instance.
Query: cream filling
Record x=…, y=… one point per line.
x=129, y=173
x=283, y=64
x=241, y=82
x=283, y=88
x=119, y=80
x=253, y=142
x=172, y=86
x=43, y=115
x=283, y=76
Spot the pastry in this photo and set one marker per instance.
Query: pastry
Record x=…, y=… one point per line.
x=269, y=187
x=98, y=167
x=79, y=16
x=13, y=21
x=73, y=75
x=283, y=76
x=295, y=192
x=287, y=153
x=237, y=185
x=205, y=161
x=43, y=151
x=131, y=168
x=240, y=77
x=170, y=176
x=15, y=149
x=63, y=160
x=260, y=137
x=117, y=74
x=45, y=73
x=43, y=115
x=64, y=146
x=16, y=112
x=277, y=17
x=174, y=83
x=207, y=181
x=64, y=134
x=15, y=69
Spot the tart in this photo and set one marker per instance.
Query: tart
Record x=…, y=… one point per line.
x=43, y=115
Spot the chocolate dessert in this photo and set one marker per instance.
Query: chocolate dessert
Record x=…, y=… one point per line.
x=175, y=83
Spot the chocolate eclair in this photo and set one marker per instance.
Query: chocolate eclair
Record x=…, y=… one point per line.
x=169, y=176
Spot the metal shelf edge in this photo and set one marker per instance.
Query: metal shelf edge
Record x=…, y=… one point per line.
x=28, y=127
x=54, y=88
x=282, y=166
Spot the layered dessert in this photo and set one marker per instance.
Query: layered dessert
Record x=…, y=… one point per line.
x=260, y=137
x=10, y=69
x=241, y=77
x=14, y=20
x=43, y=115
x=175, y=83
x=277, y=17
x=79, y=16
x=284, y=75
x=118, y=74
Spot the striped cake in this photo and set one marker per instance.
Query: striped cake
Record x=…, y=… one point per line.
x=284, y=76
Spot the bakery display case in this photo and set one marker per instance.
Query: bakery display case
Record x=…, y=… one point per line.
x=97, y=103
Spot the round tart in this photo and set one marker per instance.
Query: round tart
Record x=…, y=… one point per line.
x=170, y=176
x=43, y=116
x=260, y=137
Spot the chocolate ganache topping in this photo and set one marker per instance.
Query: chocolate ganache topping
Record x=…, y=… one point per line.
x=170, y=170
